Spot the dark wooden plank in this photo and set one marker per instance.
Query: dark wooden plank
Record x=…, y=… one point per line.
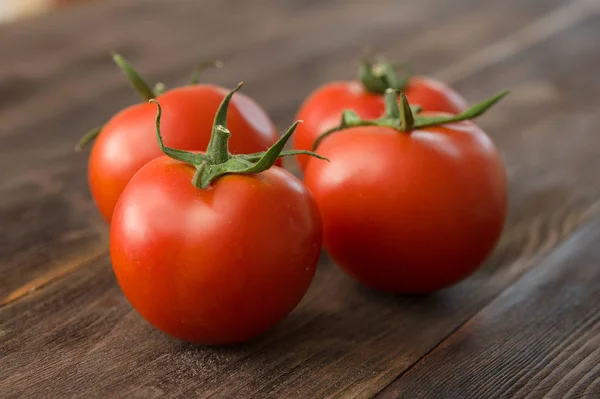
x=544, y=131
x=540, y=338
x=80, y=337
x=60, y=84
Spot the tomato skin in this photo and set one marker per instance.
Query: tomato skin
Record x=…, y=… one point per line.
x=128, y=141
x=409, y=213
x=214, y=266
x=434, y=95
x=322, y=110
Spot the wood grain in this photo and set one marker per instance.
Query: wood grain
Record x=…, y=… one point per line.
x=78, y=336
x=547, y=140
x=540, y=338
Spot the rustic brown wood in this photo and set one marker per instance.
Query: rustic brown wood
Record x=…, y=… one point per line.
x=540, y=338
x=78, y=336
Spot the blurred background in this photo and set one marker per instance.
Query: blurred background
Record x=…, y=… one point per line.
x=11, y=10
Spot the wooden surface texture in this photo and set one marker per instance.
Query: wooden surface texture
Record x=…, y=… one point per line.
x=525, y=325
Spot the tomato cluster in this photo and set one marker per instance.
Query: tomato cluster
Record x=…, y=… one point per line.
x=212, y=242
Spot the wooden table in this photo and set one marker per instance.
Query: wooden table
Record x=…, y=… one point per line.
x=528, y=323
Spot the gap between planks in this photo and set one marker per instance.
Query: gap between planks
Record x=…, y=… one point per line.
x=586, y=218
x=541, y=29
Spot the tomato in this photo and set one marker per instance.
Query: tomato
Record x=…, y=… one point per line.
x=410, y=211
x=223, y=259
x=323, y=108
x=214, y=266
x=126, y=142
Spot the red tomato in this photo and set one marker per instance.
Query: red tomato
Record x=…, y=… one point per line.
x=409, y=212
x=219, y=265
x=215, y=248
x=127, y=142
x=322, y=110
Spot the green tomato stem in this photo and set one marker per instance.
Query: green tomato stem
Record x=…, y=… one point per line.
x=88, y=137
x=471, y=113
x=142, y=88
x=380, y=76
x=407, y=121
x=134, y=78
x=405, y=118
x=218, y=146
x=390, y=100
x=218, y=161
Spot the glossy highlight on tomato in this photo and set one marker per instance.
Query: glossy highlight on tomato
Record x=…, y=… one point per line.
x=411, y=210
x=126, y=142
x=323, y=108
x=214, y=266
x=215, y=248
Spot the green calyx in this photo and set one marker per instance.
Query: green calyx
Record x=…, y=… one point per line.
x=218, y=161
x=143, y=89
x=405, y=117
x=377, y=77
x=88, y=138
x=137, y=82
x=140, y=86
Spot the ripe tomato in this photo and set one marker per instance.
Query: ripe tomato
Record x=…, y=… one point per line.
x=323, y=109
x=214, y=266
x=223, y=259
x=126, y=142
x=409, y=212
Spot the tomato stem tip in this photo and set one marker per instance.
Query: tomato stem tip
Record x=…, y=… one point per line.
x=377, y=77
x=136, y=81
x=87, y=138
